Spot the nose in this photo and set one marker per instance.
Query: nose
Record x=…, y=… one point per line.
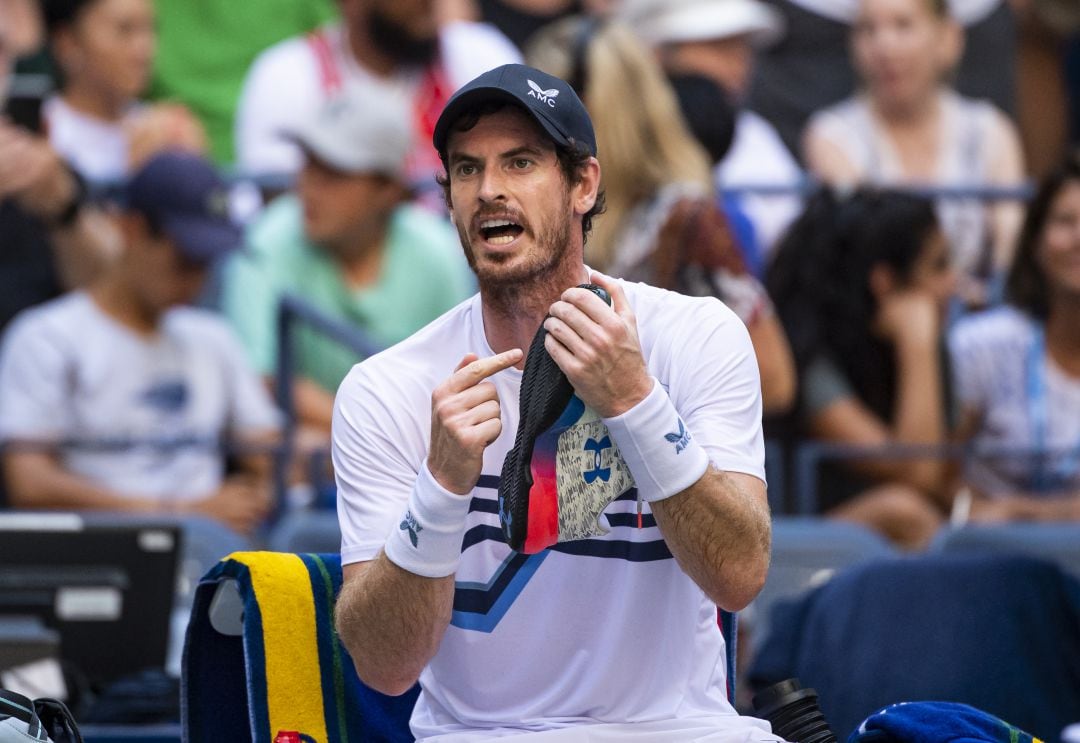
x=492, y=187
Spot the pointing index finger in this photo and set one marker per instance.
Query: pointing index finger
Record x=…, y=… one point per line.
x=480, y=369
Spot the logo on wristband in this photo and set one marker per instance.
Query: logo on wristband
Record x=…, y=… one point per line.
x=410, y=525
x=680, y=438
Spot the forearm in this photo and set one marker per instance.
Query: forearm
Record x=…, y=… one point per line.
x=314, y=405
x=775, y=364
x=720, y=535
x=35, y=481
x=919, y=416
x=391, y=621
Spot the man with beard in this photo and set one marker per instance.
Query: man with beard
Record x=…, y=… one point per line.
x=395, y=44
x=612, y=637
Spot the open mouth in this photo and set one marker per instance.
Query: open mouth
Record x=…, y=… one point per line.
x=500, y=231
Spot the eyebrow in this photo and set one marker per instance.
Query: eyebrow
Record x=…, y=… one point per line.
x=526, y=149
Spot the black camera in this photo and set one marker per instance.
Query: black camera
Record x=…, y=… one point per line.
x=793, y=713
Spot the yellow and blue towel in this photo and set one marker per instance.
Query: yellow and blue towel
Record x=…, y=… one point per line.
x=288, y=669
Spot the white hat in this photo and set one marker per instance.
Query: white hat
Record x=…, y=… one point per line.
x=666, y=21
x=364, y=128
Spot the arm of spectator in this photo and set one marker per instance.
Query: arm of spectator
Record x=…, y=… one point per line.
x=775, y=362
x=1024, y=507
x=1006, y=169
x=910, y=320
x=37, y=480
x=314, y=405
x=83, y=239
x=163, y=126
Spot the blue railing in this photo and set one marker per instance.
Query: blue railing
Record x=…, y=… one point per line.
x=294, y=311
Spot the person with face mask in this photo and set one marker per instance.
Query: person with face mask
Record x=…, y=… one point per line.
x=400, y=46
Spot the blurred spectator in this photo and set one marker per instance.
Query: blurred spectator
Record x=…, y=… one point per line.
x=105, y=49
x=1016, y=370
x=206, y=47
x=118, y=399
x=711, y=118
x=718, y=38
x=662, y=224
x=347, y=242
x=861, y=284
x=397, y=45
x=520, y=19
x=810, y=69
x=909, y=127
x=50, y=239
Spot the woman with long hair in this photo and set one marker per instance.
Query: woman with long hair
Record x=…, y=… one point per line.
x=662, y=224
x=908, y=127
x=861, y=282
x=1017, y=370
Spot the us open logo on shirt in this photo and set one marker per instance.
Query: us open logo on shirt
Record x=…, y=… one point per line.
x=544, y=96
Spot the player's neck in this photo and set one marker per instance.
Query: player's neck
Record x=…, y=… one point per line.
x=513, y=313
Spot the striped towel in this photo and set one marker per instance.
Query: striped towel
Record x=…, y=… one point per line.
x=287, y=670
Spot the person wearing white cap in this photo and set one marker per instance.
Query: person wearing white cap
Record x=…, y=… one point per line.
x=346, y=241
x=718, y=38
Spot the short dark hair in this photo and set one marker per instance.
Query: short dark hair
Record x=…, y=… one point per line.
x=1026, y=285
x=572, y=160
x=59, y=14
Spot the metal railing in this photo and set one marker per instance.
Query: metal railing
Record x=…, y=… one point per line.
x=293, y=311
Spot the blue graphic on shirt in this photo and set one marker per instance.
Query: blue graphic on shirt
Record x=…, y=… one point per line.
x=597, y=448
x=480, y=606
x=167, y=396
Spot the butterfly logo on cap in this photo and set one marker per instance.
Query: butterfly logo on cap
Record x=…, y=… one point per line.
x=544, y=96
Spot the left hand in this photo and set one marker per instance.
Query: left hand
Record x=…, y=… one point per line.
x=32, y=173
x=597, y=348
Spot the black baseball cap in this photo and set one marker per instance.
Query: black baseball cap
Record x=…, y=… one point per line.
x=550, y=101
x=185, y=197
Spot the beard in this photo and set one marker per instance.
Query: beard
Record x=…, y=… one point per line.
x=395, y=41
x=507, y=281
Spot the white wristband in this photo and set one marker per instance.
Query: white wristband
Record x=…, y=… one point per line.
x=659, y=450
x=427, y=539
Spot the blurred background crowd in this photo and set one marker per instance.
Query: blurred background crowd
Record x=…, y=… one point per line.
x=209, y=210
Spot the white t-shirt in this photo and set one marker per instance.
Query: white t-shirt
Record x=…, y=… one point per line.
x=758, y=157
x=601, y=630
x=97, y=149
x=289, y=80
x=991, y=357
x=69, y=371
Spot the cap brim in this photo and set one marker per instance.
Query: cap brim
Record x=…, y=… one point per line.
x=760, y=22
x=202, y=240
x=326, y=152
x=477, y=96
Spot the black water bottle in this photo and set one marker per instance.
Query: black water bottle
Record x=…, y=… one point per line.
x=793, y=713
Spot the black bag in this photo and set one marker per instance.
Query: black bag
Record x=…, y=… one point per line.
x=44, y=720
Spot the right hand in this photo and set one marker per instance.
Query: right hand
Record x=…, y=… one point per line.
x=241, y=503
x=163, y=126
x=465, y=420
x=908, y=315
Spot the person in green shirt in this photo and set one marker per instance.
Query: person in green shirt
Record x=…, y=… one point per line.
x=206, y=46
x=347, y=241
